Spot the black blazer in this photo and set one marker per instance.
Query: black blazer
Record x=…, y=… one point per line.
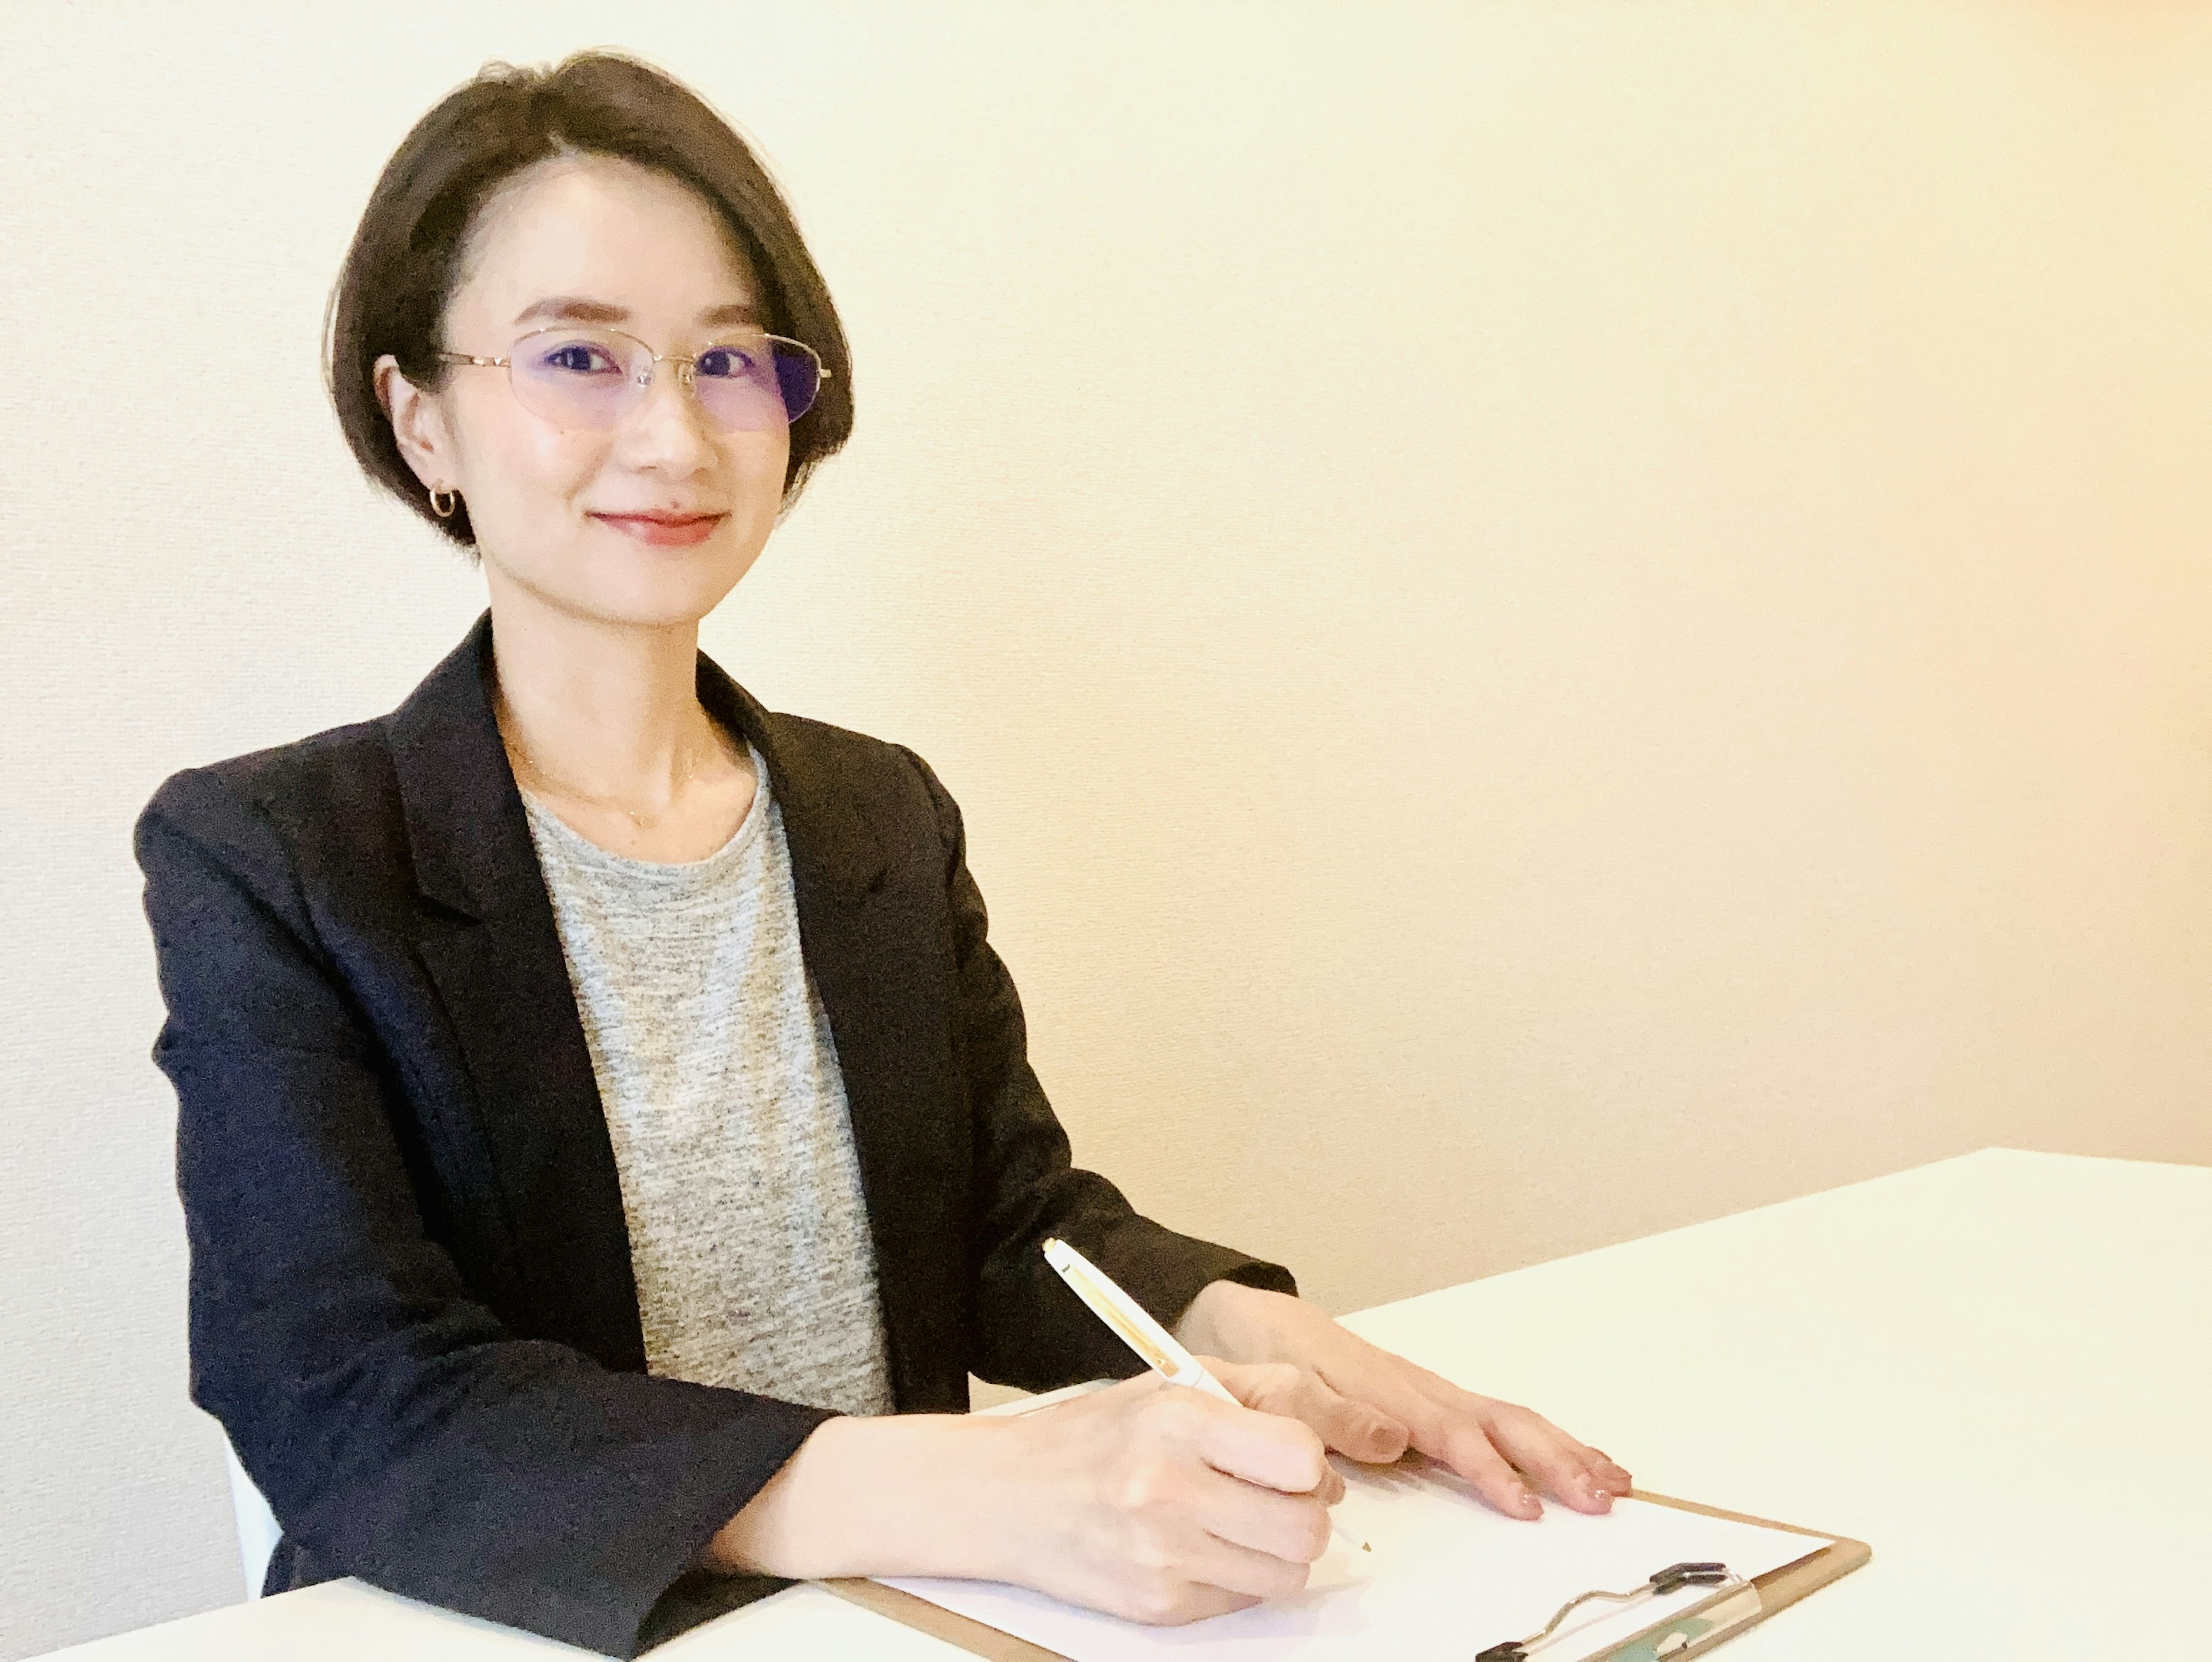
x=412, y=1306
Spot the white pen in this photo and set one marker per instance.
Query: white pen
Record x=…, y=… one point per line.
x=1154, y=1345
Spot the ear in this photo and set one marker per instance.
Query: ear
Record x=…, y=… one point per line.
x=418, y=425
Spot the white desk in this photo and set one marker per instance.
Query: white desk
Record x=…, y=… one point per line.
x=1997, y=1369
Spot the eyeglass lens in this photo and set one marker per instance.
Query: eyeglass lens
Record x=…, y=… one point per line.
x=595, y=377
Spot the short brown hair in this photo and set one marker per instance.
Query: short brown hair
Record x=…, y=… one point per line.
x=404, y=263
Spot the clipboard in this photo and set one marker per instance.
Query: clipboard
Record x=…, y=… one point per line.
x=1683, y=1632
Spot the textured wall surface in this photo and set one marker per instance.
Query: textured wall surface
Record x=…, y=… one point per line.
x=1551, y=620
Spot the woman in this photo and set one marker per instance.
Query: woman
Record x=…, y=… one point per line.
x=605, y=1131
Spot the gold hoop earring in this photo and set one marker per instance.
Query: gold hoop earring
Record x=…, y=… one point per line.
x=453, y=501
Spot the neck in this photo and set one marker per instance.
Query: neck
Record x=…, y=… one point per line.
x=607, y=709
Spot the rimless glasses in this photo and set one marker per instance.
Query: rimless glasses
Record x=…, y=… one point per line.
x=591, y=378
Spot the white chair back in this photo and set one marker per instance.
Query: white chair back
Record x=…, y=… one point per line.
x=257, y=1529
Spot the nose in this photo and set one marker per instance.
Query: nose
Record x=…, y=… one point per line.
x=667, y=425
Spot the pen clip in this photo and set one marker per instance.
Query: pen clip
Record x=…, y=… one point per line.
x=1083, y=1279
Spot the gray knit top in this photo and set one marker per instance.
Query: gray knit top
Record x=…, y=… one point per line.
x=718, y=1074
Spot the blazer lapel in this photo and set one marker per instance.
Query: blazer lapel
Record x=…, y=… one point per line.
x=869, y=958
x=492, y=949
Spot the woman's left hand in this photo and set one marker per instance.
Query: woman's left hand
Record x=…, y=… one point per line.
x=1282, y=1355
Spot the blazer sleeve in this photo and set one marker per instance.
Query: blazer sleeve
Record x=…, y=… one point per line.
x=399, y=1431
x=1030, y=1330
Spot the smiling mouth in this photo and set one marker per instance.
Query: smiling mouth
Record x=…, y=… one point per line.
x=664, y=530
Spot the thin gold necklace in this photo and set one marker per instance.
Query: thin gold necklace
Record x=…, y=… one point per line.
x=644, y=822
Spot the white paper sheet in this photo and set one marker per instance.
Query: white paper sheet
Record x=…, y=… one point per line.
x=1447, y=1578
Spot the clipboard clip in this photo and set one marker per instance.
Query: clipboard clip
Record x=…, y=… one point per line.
x=1673, y=1579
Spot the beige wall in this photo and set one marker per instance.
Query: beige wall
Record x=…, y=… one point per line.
x=1551, y=620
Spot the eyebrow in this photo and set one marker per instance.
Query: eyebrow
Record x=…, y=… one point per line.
x=576, y=309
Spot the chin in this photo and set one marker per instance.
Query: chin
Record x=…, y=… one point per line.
x=660, y=605
x=635, y=599
x=606, y=578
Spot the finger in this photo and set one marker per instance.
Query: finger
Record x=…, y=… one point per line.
x=1397, y=1393
x=1260, y=1447
x=1235, y=1568
x=1614, y=1475
x=1562, y=1467
x=1262, y=1385
x=1463, y=1446
x=1436, y=1414
x=1188, y=1601
x=1291, y=1527
x=1353, y=1428
x=1456, y=1426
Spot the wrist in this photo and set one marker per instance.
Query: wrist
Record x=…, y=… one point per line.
x=894, y=1494
x=1237, y=1323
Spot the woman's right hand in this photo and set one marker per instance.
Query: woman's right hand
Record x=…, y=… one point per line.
x=1164, y=1504
x=1148, y=1500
